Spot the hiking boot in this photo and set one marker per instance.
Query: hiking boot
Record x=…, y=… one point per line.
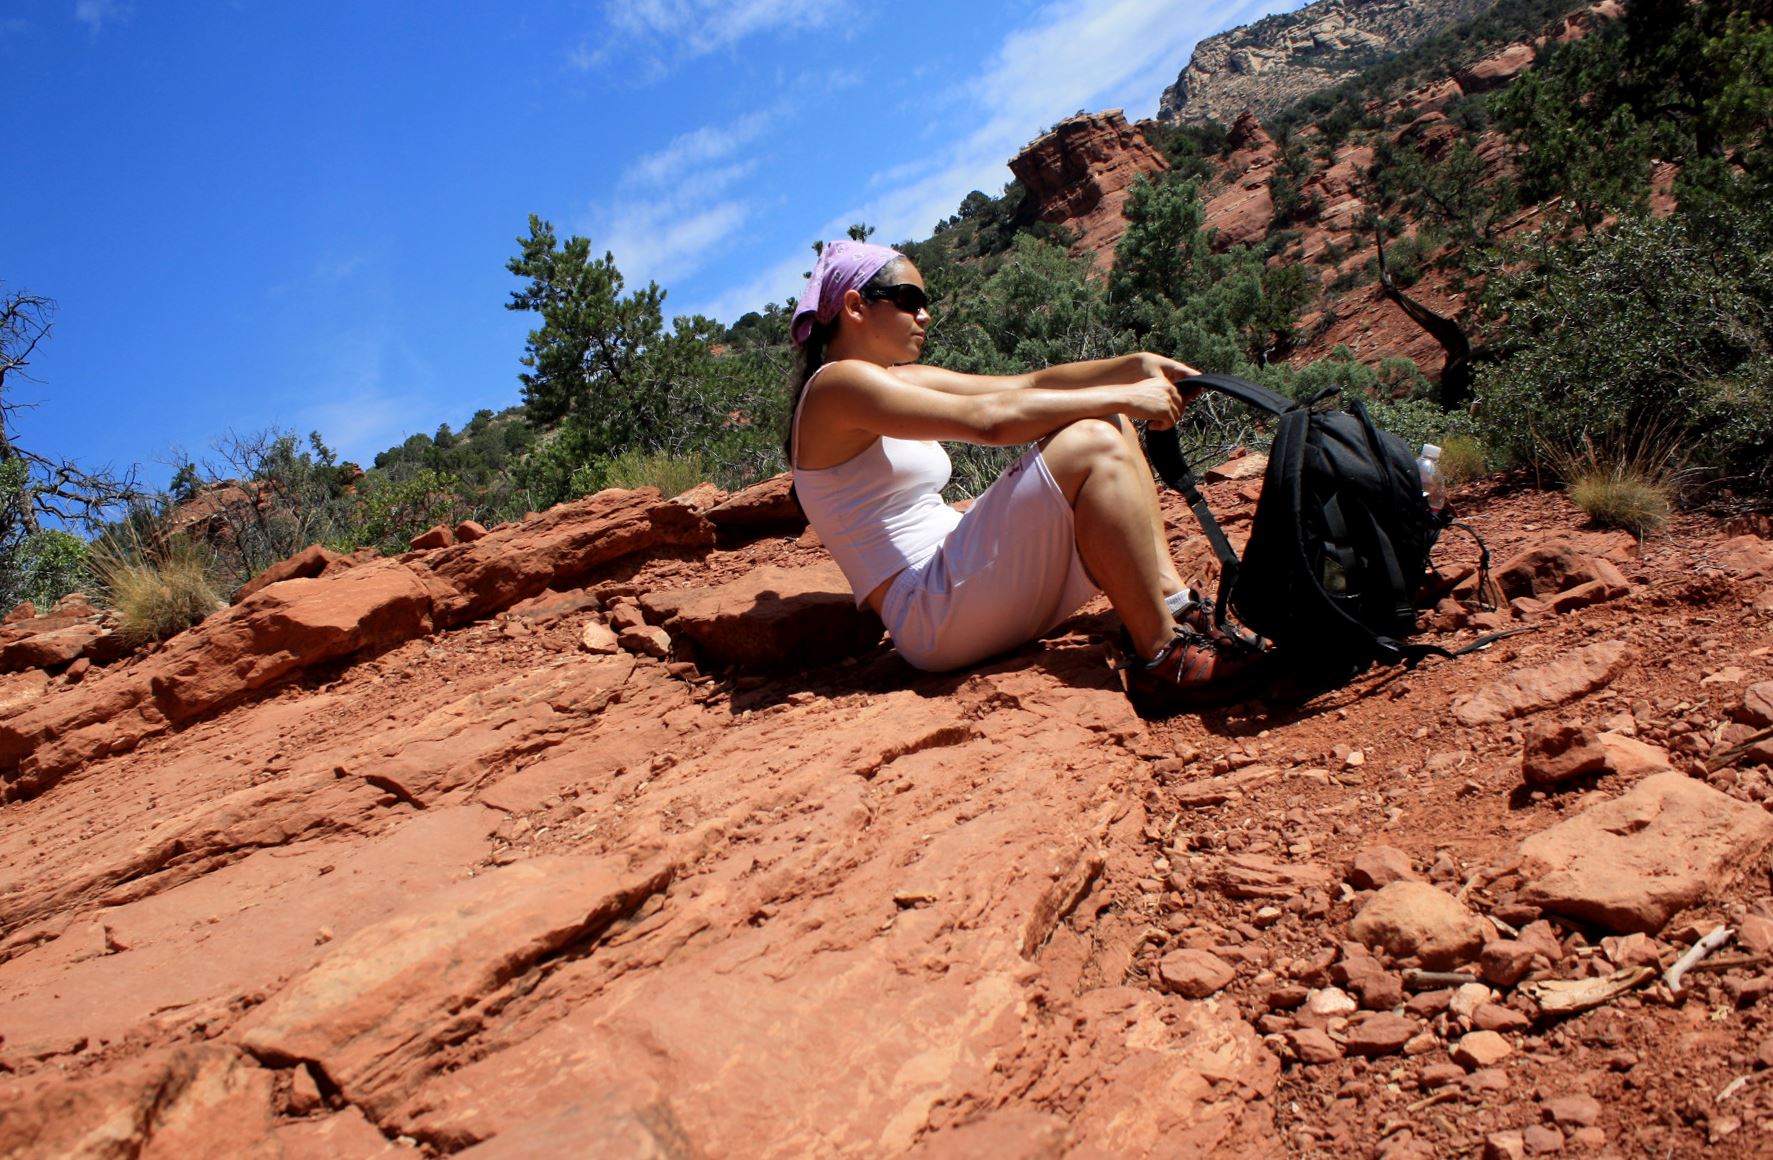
x=1197, y=613
x=1198, y=670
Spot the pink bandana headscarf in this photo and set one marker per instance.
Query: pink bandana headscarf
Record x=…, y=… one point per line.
x=842, y=265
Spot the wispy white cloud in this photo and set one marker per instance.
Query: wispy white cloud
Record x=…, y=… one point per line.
x=339, y=267
x=95, y=14
x=324, y=272
x=674, y=209
x=355, y=407
x=1074, y=55
x=777, y=283
x=700, y=147
x=646, y=40
x=660, y=242
x=698, y=27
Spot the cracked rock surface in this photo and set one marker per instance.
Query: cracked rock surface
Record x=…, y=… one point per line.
x=444, y=870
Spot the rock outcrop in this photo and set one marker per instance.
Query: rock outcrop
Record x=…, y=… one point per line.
x=70, y=631
x=1080, y=174
x=418, y=857
x=300, y=624
x=1266, y=66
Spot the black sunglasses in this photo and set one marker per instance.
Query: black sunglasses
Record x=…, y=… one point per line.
x=907, y=296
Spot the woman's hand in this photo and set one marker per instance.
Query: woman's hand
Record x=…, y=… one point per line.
x=1173, y=372
x=1155, y=365
x=1156, y=400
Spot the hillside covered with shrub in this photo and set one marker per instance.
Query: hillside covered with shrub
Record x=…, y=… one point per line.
x=1568, y=207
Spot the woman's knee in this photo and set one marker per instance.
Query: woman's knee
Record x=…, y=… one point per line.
x=1083, y=445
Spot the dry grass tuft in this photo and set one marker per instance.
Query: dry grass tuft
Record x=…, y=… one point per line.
x=1463, y=460
x=671, y=474
x=155, y=592
x=1623, y=497
x=1631, y=484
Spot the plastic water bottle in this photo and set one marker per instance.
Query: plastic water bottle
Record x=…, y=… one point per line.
x=1434, y=488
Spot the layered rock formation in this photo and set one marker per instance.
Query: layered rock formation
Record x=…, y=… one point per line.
x=1266, y=66
x=1080, y=174
x=619, y=831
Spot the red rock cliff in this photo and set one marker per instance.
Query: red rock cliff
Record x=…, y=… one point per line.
x=1080, y=174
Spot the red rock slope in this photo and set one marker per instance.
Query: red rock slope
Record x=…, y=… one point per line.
x=1081, y=173
x=433, y=855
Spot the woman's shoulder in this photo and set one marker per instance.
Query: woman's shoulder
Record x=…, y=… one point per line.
x=850, y=376
x=849, y=368
x=861, y=373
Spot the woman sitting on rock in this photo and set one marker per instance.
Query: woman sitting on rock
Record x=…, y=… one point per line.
x=1075, y=515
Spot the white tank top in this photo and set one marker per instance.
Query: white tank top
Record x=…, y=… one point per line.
x=880, y=511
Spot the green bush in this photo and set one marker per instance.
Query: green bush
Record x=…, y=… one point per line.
x=1620, y=497
x=1462, y=459
x=1644, y=328
x=1629, y=482
x=42, y=567
x=389, y=512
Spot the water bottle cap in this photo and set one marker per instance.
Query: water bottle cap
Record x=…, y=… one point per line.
x=1430, y=451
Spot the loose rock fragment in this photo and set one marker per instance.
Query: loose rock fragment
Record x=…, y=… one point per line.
x=1544, y=687
x=1630, y=864
x=647, y=640
x=1381, y=1034
x=1627, y=757
x=1496, y=1017
x=1313, y=1045
x=1329, y=1003
x=1480, y=1049
x=598, y=638
x=437, y=537
x=1551, y=567
x=1757, y=705
x=1253, y=876
x=1194, y=974
x=1574, y=1111
x=1506, y=961
x=1632, y=950
x=1379, y=866
x=304, y=1092
x=1416, y=919
x=1560, y=751
x=1542, y=1140
x=1467, y=999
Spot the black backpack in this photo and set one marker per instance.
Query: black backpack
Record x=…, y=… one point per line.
x=1339, y=544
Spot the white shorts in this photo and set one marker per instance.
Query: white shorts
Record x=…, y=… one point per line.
x=1008, y=572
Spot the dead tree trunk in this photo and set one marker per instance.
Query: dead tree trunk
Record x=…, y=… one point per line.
x=1455, y=388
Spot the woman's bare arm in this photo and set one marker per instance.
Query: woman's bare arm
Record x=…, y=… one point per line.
x=1100, y=372
x=855, y=401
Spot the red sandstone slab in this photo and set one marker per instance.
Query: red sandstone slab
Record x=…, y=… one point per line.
x=373, y=1013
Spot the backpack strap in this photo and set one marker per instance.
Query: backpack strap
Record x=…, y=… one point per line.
x=1413, y=654
x=1164, y=449
x=1244, y=391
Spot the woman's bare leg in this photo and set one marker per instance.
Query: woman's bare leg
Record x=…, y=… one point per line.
x=1109, y=486
x=1171, y=579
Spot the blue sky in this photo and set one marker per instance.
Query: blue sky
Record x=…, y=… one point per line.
x=256, y=214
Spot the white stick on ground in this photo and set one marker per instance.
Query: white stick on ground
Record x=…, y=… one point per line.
x=1711, y=942
x=1733, y=1087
